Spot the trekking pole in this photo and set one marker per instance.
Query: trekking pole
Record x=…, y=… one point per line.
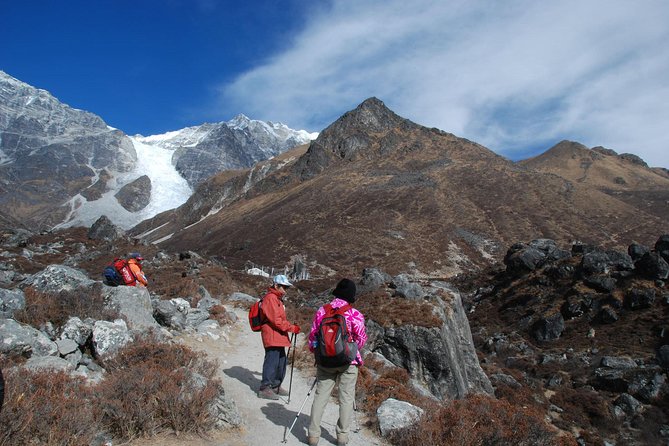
x=292, y=366
x=355, y=417
x=286, y=431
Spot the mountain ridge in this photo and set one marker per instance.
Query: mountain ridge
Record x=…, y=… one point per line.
x=391, y=193
x=63, y=167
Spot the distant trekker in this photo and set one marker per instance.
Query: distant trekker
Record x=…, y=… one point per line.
x=134, y=262
x=337, y=336
x=275, y=339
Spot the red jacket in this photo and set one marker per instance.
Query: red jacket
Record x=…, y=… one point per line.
x=136, y=268
x=275, y=329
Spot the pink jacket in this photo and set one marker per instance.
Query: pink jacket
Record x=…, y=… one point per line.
x=355, y=322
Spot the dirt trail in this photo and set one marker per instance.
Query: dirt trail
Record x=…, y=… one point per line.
x=264, y=421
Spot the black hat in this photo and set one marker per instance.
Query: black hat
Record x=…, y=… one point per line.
x=345, y=290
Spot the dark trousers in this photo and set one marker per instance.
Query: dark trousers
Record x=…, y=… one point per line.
x=274, y=367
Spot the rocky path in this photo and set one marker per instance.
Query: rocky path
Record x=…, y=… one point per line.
x=240, y=355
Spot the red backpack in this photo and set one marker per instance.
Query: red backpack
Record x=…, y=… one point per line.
x=335, y=347
x=123, y=269
x=256, y=319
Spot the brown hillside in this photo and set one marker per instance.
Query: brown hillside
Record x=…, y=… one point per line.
x=378, y=190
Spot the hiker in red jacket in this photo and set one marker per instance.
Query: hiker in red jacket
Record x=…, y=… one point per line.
x=136, y=269
x=275, y=339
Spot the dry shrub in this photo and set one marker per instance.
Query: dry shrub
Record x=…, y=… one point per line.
x=220, y=314
x=391, y=311
x=57, y=308
x=154, y=386
x=393, y=383
x=45, y=408
x=584, y=407
x=480, y=420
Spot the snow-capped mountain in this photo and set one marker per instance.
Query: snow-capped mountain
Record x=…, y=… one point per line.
x=202, y=151
x=62, y=167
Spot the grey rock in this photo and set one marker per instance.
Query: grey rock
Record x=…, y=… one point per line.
x=208, y=326
x=242, y=297
x=404, y=287
x=608, y=315
x=225, y=411
x=639, y=298
x=663, y=356
x=500, y=378
x=602, y=284
x=133, y=303
x=48, y=363
x=135, y=195
x=647, y=384
x=66, y=346
x=74, y=358
x=395, y=414
x=196, y=316
x=11, y=301
x=16, y=238
x=636, y=251
x=521, y=259
x=104, y=229
x=22, y=339
x=548, y=328
x=442, y=357
x=57, y=278
x=167, y=314
x=615, y=362
x=77, y=330
x=652, y=266
x=109, y=337
x=628, y=404
x=371, y=280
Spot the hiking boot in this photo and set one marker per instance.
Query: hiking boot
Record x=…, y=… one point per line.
x=280, y=391
x=313, y=441
x=268, y=394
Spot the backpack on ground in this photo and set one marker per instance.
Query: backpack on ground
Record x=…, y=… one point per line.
x=111, y=276
x=256, y=319
x=118, y=273
x=335, y=347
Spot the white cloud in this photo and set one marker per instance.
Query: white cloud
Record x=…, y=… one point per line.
x=511, y=75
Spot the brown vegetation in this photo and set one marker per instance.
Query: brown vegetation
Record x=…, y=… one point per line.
x=57, y=308
x=150, y=386
x=481, y=420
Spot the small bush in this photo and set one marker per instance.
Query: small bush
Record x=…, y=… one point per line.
x=390, y=311
x=57, y=308
x=154, y=386
x=47, y=408
x=480, y=420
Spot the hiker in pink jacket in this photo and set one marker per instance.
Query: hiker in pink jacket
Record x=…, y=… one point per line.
x=347, y=375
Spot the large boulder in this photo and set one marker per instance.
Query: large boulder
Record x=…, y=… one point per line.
x=57, y=278
x=24, y=340
x=77, y=330
x=133, y=303
x=109, y=337
x=395, y=414
x=11, y=301
x=104, y=229
x=549, y=327
x=441, y=358
x=135, y=195
x=652, y=266
x=662, y=246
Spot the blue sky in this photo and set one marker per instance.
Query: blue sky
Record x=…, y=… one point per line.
x=516, y=76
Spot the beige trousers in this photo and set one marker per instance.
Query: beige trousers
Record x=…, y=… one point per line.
x=327, y=377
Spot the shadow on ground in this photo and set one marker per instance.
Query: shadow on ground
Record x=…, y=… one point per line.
x=244, y=376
